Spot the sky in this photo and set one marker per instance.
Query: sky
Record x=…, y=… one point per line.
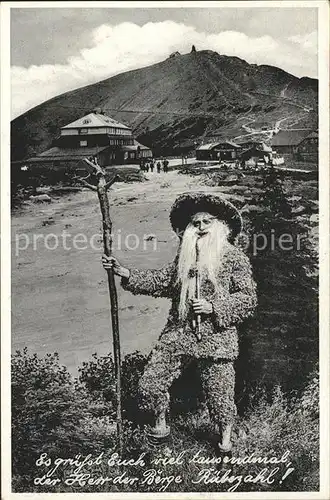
x=54, y=50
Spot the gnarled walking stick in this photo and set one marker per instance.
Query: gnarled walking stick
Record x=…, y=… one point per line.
x=102, y=192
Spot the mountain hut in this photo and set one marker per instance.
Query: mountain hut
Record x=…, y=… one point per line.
x=218, y=151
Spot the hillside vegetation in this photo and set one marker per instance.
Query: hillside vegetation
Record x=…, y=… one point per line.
x=184, y=97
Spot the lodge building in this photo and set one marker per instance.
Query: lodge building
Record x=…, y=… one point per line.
x=97, y=136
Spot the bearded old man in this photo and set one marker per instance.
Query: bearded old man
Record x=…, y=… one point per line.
x=212, y=290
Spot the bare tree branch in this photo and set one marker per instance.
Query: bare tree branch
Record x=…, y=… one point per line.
x=87, y=184
x=84, y=178
x=84, y=182
x=95, y=166
x=114, y=179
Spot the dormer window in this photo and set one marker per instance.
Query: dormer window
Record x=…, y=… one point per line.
x=86, y=120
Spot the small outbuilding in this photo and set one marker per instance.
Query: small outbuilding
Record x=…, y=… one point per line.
x=135, y=153
x=256, y=153
x=219, y=151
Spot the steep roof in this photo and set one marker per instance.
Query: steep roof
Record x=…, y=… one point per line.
x=290, y=137
x=67, y=153
x=206, y=146
x=232, y=143
x=213, y=145
x=95, y=120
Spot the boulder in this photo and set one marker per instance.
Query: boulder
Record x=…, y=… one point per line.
x=43, y=189
x=251, y=208
x=299, y=210
x=40, y=198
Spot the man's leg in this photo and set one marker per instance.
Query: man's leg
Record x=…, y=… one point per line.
x=163, y=367
x=218, y=379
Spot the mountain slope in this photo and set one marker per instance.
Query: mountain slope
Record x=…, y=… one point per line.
x=186, y=96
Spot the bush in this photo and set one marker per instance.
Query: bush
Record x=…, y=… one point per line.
x=98, y=378
x=290, y=425
x=55, y=414
x=51, y=414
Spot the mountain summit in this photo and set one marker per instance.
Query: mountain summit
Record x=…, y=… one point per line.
x=184, y=97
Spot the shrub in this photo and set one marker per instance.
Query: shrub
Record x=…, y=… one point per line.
x=98, y=378
x=50, y=414
x=292, y=425
x=54, y=414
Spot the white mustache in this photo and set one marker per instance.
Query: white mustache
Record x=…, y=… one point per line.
x=211, y=248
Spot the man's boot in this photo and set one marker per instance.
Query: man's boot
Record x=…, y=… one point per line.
x=225, y=445
x=160, y=432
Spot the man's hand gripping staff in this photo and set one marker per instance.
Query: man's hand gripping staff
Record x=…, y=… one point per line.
x=200, y=306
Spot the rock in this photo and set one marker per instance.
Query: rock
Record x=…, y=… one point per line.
x=229, y=180
x=251, y=208
x=48, y=222
x=40, y=198
x=314, y=205
x=43, y=189
x=299, y=210
x=295, y=198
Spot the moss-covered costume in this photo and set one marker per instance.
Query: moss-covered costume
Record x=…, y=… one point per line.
x=233, y=301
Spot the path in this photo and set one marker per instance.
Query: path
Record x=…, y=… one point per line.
x=59, y=296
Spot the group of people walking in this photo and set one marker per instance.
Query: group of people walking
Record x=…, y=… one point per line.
x=150, y=164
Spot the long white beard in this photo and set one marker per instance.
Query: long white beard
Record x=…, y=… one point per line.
x=212, y=246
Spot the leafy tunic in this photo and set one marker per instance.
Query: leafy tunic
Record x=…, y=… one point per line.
x=234, y=299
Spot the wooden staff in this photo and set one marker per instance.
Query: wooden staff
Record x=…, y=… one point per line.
x=102, y=191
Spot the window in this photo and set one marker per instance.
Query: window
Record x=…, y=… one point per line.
x=83, y=143
x=86, y=120
x=83, y=131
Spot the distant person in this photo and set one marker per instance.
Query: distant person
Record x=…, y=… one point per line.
x=146, y=165
x=166, y=162
x=159, y=166
x=152, y=165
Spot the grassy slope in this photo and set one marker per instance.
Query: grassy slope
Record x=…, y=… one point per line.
x=175, y=92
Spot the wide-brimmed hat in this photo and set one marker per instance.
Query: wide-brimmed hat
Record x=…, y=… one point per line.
x=188, y=204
